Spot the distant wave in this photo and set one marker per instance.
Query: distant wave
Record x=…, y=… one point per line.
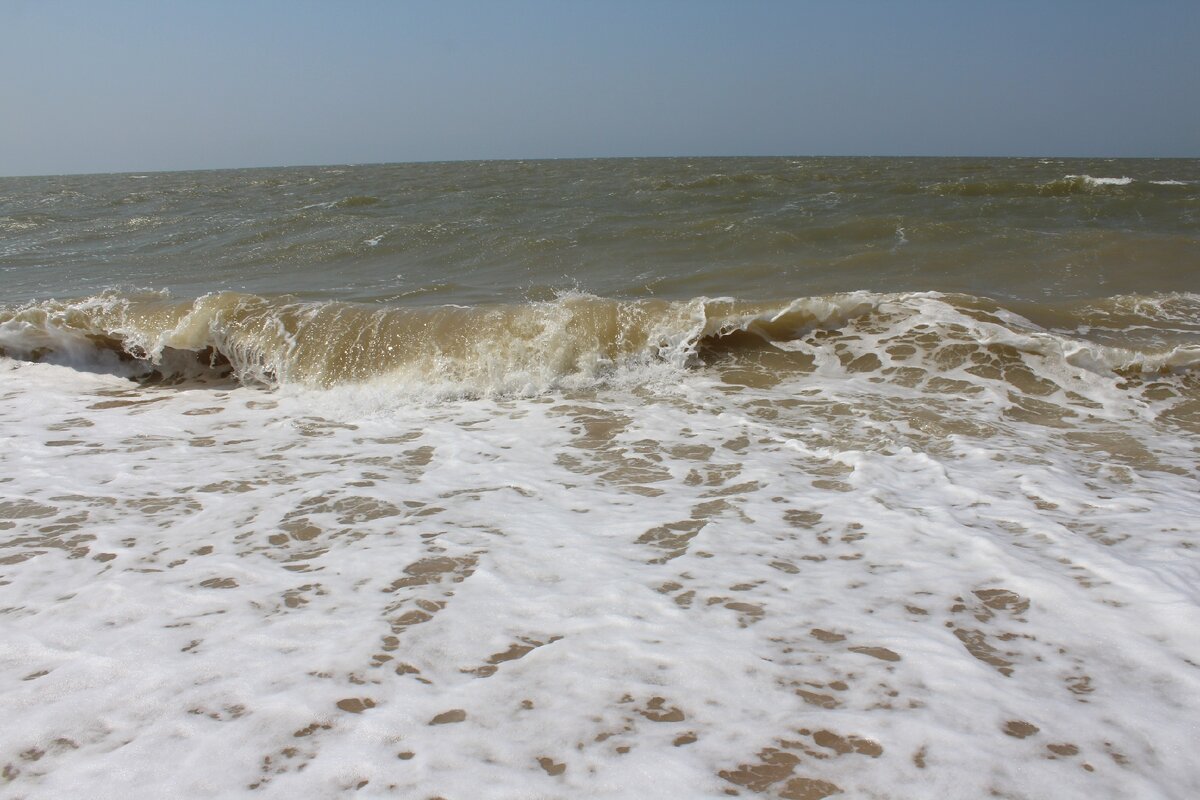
x=1060, y=187
x=1090, y=181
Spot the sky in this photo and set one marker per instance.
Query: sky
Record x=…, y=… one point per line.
x=121, y=85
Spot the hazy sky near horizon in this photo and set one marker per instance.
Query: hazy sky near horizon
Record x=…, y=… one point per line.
x=157, y=85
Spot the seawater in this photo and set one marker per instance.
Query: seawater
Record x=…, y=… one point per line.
x=620, y=478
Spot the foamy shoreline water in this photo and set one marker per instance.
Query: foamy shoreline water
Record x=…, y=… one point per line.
x=874, y=544
x=686, y=590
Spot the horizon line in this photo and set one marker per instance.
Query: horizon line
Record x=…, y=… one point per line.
x=587, y=158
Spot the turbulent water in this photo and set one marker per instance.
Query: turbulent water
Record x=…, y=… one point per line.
x=615, y=479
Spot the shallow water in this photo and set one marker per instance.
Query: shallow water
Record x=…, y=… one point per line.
x=898, y=535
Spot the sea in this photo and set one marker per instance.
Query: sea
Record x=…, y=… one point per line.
x=620, y=478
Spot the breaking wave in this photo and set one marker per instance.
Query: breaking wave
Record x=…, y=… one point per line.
x=572, y=341
x=1061, y=187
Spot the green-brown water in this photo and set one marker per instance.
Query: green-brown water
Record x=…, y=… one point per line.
x=1041, y=230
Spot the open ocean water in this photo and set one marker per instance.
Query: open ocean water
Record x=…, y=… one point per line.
x=640, y=478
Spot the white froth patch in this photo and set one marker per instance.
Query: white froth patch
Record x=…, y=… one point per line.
x=843, y=581
x=1091, y=181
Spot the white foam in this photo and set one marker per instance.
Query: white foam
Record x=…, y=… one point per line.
x=841, y=561
x=1088, y=179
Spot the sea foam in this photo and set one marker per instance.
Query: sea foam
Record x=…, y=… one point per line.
x=918, y=546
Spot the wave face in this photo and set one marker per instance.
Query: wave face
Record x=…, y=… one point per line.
x=579, y=341
x=575, y=340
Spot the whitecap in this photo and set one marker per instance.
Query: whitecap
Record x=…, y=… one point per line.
x=1091, y=181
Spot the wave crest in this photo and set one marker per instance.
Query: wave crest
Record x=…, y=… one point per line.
x=572, y=341
x=1065, y=186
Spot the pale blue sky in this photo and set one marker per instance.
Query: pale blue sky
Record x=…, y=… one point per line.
x=104, y=86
